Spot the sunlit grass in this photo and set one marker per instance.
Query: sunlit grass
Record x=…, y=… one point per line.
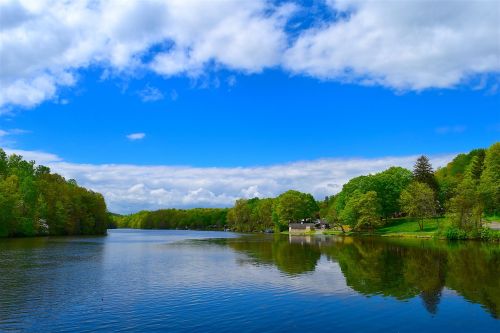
x=410, y=226
x=492, y=218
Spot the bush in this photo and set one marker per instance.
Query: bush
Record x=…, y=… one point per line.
x=490, y=235
x=454, y=233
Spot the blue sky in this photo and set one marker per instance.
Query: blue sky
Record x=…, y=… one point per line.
x=260, y=119
x=181, y=104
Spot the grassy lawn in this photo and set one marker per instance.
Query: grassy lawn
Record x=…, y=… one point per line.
x=402, y=227
x=409, y=226
x=336, y=232
x=493, y=218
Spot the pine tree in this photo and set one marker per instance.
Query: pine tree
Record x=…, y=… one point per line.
x=423, y=173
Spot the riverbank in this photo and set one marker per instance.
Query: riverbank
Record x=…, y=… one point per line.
x=437, y=228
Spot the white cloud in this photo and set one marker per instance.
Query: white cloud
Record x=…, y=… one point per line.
x=151, y=94
x=7, y=136
x=409, y=44
x=136, y=136
x=129, y=188
x=38, y=156
x=402, y=44
x=44, y=43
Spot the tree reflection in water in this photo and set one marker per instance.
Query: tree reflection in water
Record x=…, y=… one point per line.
x=397, y=268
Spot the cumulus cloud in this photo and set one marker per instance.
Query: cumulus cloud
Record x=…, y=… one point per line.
x=129, y=188
x=399, y=44
x=44, y=43
x=136, y=136
x=33, y=155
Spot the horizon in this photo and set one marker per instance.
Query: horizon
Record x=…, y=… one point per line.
x=188, y=104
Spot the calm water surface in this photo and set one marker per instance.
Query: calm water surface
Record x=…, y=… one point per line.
x=136, y=280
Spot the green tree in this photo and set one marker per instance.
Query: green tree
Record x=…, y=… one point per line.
x=242, y=214
x=467, y=205
x=388, y=184
x=362, y=211
x=332, y=216
x=423, y=173
x=489, y=187
x=295, y=206
x=35, y=202
x=450, y=176
x=369, y=211
x=418, y=201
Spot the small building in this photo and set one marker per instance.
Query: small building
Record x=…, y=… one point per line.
x=300, y=228
x=322, y=225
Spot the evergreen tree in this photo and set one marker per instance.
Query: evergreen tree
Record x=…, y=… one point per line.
x=423, y=173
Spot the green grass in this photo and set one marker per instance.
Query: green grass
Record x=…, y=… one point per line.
x=402, y=227
x=408, y=227
x=492, y=218
x=335, y=232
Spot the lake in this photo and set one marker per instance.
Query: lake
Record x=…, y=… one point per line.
x=152, y=280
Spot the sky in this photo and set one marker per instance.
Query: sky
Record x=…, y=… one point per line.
x=196, y=103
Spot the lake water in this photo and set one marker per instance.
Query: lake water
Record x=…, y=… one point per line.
x=137, y=280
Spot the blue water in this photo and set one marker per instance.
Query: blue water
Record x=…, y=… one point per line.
x=157, y=281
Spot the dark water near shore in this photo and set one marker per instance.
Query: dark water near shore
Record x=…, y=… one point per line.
x=135, y=280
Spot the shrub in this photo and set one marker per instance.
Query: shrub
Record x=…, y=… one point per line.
x=490, y=235
x=454, y=233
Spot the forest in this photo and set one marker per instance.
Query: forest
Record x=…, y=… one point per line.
x=463, y=194
x=196, y=218
x=36, y=202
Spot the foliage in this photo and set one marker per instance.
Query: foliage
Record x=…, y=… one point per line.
x=423, y=173
x=418, y=201
x=333, y=218
x=362, y=211
x=197, y=218
x=452, y=174
x=34, y=202
x=489, y=187
x=249, y=215
x=455, y=233
x=488, y=234
x=295, y=206
x=466, y=207
x=387, y=184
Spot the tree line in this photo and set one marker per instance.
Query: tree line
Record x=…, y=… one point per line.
x=465, y=191
x=196, y=218
x=34, y=201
